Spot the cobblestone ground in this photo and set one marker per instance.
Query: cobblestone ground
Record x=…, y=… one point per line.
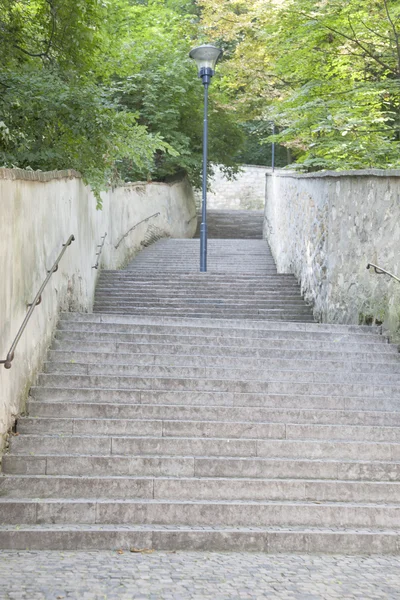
x=195, y=576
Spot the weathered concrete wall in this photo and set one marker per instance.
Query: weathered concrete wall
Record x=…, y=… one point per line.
x=38, y=213
x=246, y=192
x=325, y=228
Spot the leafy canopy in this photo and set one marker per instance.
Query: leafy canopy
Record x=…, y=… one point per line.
x=106, y=87
x=326, y=72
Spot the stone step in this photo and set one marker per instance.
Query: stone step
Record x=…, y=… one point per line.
x=250, y=299
x=104, y=404
x=214, y=305
x=181, y=288
x=216, y=251
x=201, y=314
x=199, y=513
x=296, y=305
x=370, y=361
x=206, y=429
x=193, y=466
x=212, y=268
x=207, y=399
x=208, y=278
x=202, y=335
x=117, y=366
x=109, y=343
x=150, y=277
x=252, y=264
x=246, y=263
x=200, y=488
x=215, y=245
x=276, y=447
x=273, y=540
x=201, y=311
x=285, y=382
x=206, y=336
x=223, y=298
x=234, y=287
x=152, y=284
x=191, y=248
x=222, y=323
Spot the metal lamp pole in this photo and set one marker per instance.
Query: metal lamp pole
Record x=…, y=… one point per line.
x=206, y=57
x=273, y=149
x=206, y=77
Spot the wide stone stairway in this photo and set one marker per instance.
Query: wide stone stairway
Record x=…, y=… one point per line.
x=207, y=411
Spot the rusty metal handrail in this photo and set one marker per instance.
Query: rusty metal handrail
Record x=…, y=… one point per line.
x=134, y=227
x=38, y=299
x=98, y=254
x=380, y=271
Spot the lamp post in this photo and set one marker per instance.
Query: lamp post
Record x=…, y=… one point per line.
x=206, y=57
x=273, y=149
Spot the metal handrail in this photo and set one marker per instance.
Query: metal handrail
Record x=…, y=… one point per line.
x=134, y=227
x=98, y=254
x=380, y=271
x=38, y=299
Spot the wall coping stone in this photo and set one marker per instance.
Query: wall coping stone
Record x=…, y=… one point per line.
x=256, y=166
x=27, y=175
x=43, y=176
x=156, y=183
x=337, y=174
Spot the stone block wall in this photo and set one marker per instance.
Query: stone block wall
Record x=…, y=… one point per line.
x=325, y=228
x=39, y=211
x=246, y=192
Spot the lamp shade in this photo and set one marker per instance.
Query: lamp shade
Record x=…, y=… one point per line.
x=206, y=56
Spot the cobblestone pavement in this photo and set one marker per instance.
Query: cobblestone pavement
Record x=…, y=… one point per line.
x=195, y=576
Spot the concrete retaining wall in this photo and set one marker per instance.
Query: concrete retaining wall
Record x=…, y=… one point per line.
x=38, y=213
x=325, y=228
x=246, y=192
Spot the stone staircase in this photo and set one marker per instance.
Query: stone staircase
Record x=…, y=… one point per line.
x=207, y=411
x=241, y=283
x=233, y=224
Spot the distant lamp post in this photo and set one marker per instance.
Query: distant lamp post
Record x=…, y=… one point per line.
x=273, y=149
x=206, y=57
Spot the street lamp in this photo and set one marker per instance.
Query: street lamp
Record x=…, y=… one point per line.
x=206, y=57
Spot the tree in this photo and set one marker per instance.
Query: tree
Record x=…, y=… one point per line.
x=327, y=73
x=156, y=79
x=107, y=88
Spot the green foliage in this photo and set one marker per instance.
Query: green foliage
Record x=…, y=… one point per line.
x=161, y=85
x=256, y=149
x=48, y=123
x=66, y=33
x=107, y=88
x=327, y=73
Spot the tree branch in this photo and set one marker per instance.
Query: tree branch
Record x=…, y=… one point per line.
x=49, y=43
x=383, y=37
x=366, y=49
x=396, y=34
x=354, y=40
x=34, y=54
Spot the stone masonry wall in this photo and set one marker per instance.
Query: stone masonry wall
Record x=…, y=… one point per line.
x=325, y=228
x=39, y=211
x=246, y=192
